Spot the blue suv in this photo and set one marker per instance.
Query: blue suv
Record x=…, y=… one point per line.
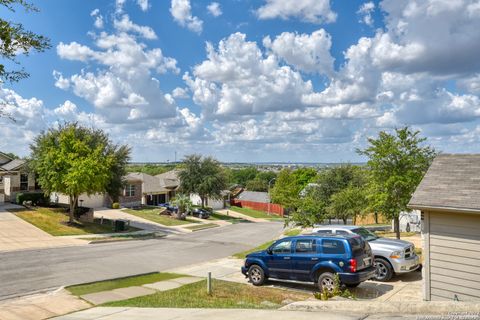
x=313, y=258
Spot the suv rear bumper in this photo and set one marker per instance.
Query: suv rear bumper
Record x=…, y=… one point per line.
x=357, y=277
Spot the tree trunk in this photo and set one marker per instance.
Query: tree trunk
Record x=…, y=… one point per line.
x=344, y=221
x=375, y=214
x=396, y=227
x=73, y=204
x=203, y=201
x=355, y=220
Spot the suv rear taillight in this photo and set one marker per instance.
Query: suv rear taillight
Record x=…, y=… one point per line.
x=353, y=265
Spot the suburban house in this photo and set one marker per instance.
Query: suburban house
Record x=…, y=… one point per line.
x=257, y=201
x=449, y=200
x=144, y=189
x=14, y=178
x=140, y=189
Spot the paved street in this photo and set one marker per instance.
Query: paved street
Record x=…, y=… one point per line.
x=27, y=271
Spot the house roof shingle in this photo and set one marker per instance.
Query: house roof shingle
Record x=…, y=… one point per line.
x=254, y=196
x=451, y=182
x=12, y=165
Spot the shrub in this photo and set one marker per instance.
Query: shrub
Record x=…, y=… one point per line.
x=35, y=198
x=115, y=205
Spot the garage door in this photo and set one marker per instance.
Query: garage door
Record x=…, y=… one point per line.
x=455, y=256
x=93, y=201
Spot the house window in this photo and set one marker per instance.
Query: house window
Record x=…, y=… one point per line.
x=24, y=182
x=130, y=190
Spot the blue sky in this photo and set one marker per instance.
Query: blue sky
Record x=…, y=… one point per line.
x=251, y=80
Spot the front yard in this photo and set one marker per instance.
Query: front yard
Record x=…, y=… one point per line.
x=225, y=294
x=153, y=214
x=54, y=222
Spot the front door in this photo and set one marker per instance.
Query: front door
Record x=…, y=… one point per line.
x=304, y=259
x=279, y=261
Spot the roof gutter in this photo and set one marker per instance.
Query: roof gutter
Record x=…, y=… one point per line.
x=443, y=209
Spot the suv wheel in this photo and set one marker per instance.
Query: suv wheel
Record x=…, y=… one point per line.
x=326, y=281
x=384, y=270
x=256, y=275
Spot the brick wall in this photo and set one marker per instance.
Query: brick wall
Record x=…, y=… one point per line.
x=135, y=200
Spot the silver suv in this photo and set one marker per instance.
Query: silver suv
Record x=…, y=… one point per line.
x=392, y=256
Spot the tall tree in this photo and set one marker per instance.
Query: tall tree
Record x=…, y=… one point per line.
x=73, y=160
x=118, y=171
x=397, y=164
x=15, y=40
x=286, y=190
x=350, y=202
x=202, y=176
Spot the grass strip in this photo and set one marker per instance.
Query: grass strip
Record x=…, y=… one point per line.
x=106, y=285
x=225, y=295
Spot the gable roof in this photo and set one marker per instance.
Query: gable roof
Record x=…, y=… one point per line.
x=254, y=196
x=12, y=165
x=4, y=158
x=151, y=184
x=451, y=183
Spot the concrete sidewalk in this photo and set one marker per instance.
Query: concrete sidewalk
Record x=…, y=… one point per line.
x=231, y=314
x=210, y=314
x=41, y=306
x=17, y=234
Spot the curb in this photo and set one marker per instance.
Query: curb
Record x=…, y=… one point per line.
x=375, y=307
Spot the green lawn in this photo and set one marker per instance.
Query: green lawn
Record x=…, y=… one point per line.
x=86, y=288
x=242, y=255
x=219, y=216
x=252, y=213
x=54, y=222
x=153, y=214
x=202, y=226
x=292, y=232
x=225, y=295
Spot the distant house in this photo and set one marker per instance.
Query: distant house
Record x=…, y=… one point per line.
x=14, y=178
x=144, y=189
x=449, y=200
x=257, y=201
x=140, y=189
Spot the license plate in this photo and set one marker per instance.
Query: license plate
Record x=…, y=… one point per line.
x=367, y=261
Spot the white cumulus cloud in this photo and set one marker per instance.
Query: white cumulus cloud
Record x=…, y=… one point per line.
x=181, y=11
x=313, y=11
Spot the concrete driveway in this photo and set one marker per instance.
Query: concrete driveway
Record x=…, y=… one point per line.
x=407, y=287
x=17, y=234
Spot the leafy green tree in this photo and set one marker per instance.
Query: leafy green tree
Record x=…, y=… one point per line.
x=350, y=202
x=285, y=191
x=257, y=185
x=184, y=204
x=242, y=176
x=118, y=170
x=202, y=176
x=317, y=197
x=73, y=160
x=16, y=40
x=397, y=164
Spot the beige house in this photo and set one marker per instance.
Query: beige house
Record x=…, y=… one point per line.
x=449, y=200
x=14, y=178
x=144, y=189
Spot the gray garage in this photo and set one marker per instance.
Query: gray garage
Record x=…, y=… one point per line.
x=449, y=199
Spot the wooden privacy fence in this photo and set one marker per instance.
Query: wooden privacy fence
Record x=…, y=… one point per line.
x=260, y=206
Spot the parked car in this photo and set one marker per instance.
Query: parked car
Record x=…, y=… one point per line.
x=313, y=258
x=201, y=213
x=392, y=256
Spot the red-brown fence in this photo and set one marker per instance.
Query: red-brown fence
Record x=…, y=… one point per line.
x=260, y=206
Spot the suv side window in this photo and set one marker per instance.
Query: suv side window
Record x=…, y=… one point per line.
x=282, y=247
x=304, y=246
x=333, y=247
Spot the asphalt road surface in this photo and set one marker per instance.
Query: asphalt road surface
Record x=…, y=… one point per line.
x=23, y=272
